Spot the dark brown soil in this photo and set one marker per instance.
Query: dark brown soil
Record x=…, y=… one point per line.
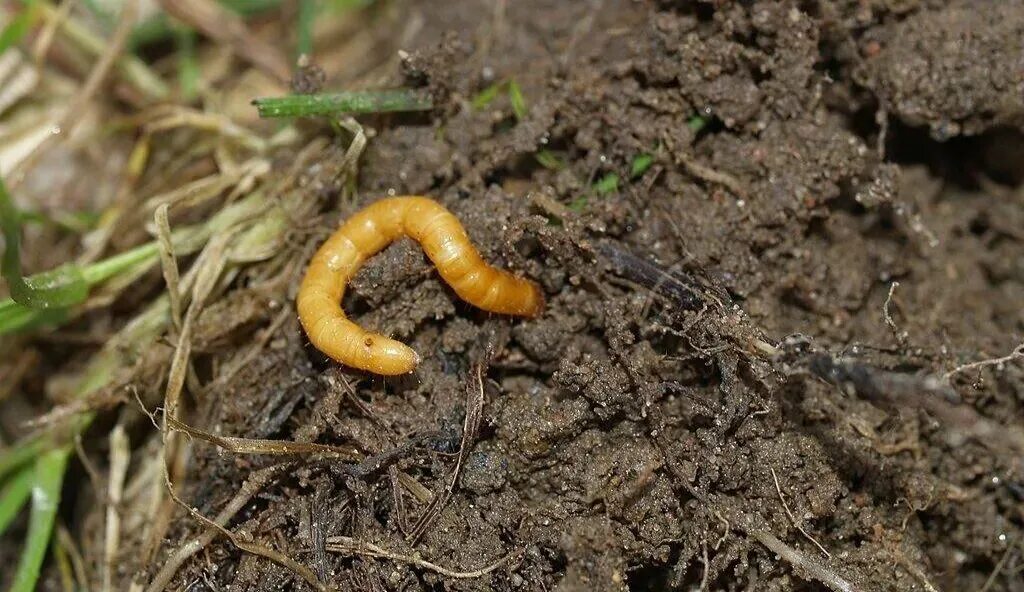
x=642, y=434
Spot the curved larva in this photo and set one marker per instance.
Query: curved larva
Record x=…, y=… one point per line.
x=367, y=232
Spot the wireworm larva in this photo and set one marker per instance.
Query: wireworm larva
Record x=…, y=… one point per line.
x=367, y=232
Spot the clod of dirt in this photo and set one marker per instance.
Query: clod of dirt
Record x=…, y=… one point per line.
x=927, y=70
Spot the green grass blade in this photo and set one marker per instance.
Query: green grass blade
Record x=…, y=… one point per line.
x=18, y=27
x=56, y=288
x=487, y=95
x=304, y=35
x=354, y=102
x=11, y=459
x=515, y=97
x=549, y=160
x=47, y=478
x=607, y=184
x=188, y=66
x=13, y=497
x=15, y=316
x=640, y=165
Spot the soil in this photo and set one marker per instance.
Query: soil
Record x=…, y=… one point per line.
x=733, y=384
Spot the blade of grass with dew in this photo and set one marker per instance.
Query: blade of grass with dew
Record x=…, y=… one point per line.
x=57, y=288
x=13, y=496
x=354, y=102
x=17, y=317
x=47, y=478
x=15, y=30
x=515, y=97
x=641, y=163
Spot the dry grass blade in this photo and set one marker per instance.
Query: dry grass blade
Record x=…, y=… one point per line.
x=170, y=117
x=209, y=268
x=169, y=264
x=257, y=480
x=66, y=542
x=268, y=447
x=120, y=454
x=132, y=69
x=73, y=113
x=255, y=548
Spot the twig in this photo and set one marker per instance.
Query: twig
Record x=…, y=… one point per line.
x=782, y=498
x=876, y=384
x=915, y=571
x=710, y=175
x=344, y=544
x=930, y=392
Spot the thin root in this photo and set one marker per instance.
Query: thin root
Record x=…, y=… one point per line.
x=802, y=563
x=785, y=507
x=344, y=544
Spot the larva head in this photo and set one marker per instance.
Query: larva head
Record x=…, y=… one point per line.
x=539, y=302
x=530, y=301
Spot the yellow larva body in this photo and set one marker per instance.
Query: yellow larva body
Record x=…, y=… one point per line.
x=366, y=233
